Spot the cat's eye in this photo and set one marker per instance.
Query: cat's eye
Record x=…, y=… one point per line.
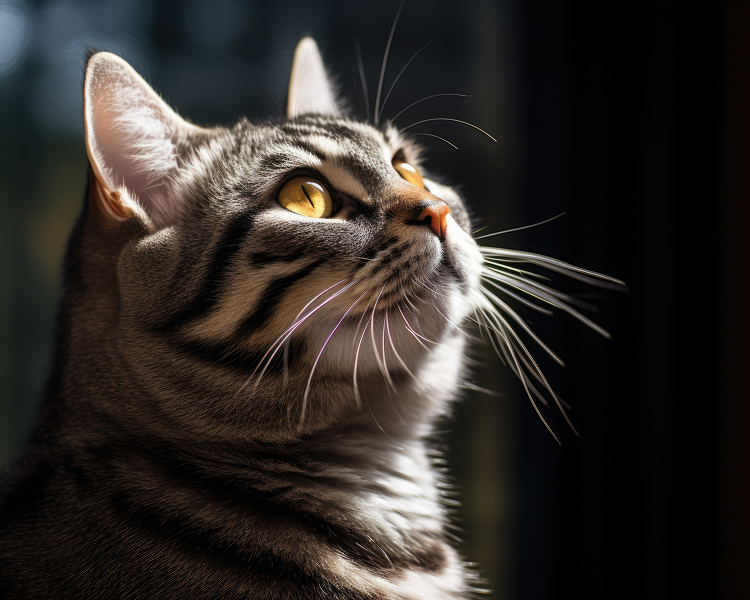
x=306, y=196
x=408, y=172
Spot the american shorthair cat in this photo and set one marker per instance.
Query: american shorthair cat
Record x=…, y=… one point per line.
x=260, y=325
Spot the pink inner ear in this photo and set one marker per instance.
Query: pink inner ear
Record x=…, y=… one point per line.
x=132, y=136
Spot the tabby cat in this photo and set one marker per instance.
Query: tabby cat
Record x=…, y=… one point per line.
x=259, y=326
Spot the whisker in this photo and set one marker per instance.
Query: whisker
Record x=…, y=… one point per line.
x=476, y=320
x=470, y=386
x=523, y=378
x=247, y=381
x=398, y=356
x=530, y=287
x=543, y=293
x=522, y=300
x=481, y=237
x=362, y=77
x=507, y=265
x=534, y=368
x=388, y=95
x=385, y=62
x=501, y=353
x=393, y=404
x=315, y=364
x=592, y=277
x=291, y=330
x=517, y=318
x=447, y=320
x=428, y=98
x=356, y=357
x=381, y=365
x=447, y=119
x=364, y=312
x=359, y=100
x=412, y=308
x=356, y=362
x=431, y=135
x=281, y=113
x=414, y=333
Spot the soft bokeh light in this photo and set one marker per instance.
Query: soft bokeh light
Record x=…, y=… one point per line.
x=15, y=31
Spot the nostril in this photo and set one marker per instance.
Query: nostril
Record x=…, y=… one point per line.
x=435, y=216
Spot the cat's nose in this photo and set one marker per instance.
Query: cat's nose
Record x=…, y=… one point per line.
x=435, y=215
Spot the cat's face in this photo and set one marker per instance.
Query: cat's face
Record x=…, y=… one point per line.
x=278, y=277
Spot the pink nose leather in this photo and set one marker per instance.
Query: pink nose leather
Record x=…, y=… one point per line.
x=438, y=214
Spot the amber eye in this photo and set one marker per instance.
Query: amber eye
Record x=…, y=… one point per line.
x=307, y=197
x=408, y=172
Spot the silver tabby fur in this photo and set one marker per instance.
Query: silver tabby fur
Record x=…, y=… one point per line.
x=164, y=465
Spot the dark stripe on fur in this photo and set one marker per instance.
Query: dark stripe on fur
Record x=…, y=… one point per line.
x=310, y=150
x=270, y=300
x=118, y=542
x=210, y=290
x=242, y=361
x=265, y=494
x=263, y=259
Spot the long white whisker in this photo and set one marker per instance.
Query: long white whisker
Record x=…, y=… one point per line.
x=385, y=62
x=388, y=95
x=427, y=98
x=362, y=77
x=398, y=356
x=515, y=278
x=410, y=329
x=500, y=351
x=447, y=119
x=356, y=357
x=467, y=385
x=539, y=292
x=359, y=324
x=517, y=318
x=388, y=375
x=291, y=330
x=597, y=279
x=412, y=307
x=381, y=365
x=522, y=353
x=522, y=377
x=420, y=337
x=459, y=329
x=495, y=264
x=524, y=301
x=247, y=381
x=481, y=237
x=431, y=135
x=315, y=364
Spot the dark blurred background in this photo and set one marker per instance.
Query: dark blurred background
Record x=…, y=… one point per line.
x=629, y=117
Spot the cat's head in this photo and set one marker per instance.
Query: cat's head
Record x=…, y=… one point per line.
x=272, y=278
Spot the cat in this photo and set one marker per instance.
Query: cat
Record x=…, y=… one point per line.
x=260, y=325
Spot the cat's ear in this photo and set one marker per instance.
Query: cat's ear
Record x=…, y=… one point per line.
x=310, y=91
x=133, y=139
